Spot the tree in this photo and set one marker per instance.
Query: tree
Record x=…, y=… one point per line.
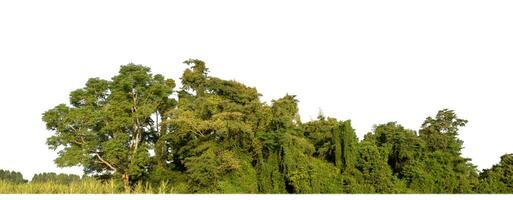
x=499, y=178
x=334, y=141
x=449, y=171
x=108, y=127
x=441, y=132
x=401, y=145
x=376, y=175
x=212, y=132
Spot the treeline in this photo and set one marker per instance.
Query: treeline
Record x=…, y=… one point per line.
x=11, y=176
x=216, y=136
x=47, y=177
x=65, y=179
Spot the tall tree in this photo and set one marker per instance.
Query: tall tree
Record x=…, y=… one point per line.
x=108, y=127
x=212, y=132
x=441, y=132
x=442, y=161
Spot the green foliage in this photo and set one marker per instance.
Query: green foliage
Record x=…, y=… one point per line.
x=241, y=180
x=449, y=171
x=430, y=162
x=270, y=178
x=209, y=166
x=11, y=177
x=498, y=179
x=65, y=179
x=401, y=145
x=285, y=113
x=440, y=133
x=334, y=141
x=218, y=137
x=376, y=175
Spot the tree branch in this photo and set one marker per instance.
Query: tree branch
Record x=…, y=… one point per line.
x=105, y=162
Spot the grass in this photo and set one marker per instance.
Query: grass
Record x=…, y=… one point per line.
x=87, y=186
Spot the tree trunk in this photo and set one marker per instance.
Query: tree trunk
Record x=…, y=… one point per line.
x=126, y=181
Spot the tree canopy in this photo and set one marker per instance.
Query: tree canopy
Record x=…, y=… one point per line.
x=108, y=127
x=216, y=136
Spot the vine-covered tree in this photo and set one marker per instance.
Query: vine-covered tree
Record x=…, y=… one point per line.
x=499, y=178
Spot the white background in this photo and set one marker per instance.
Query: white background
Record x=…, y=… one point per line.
x=368, y=61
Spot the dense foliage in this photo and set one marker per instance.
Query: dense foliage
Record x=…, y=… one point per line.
x=217, y=136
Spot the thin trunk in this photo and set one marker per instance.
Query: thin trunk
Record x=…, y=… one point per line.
x=126, y=181
x=137, y=125
x=161, y=148
x=157, y=119
x=136, y=139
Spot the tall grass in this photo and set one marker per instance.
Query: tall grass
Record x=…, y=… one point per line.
x=86, y=186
